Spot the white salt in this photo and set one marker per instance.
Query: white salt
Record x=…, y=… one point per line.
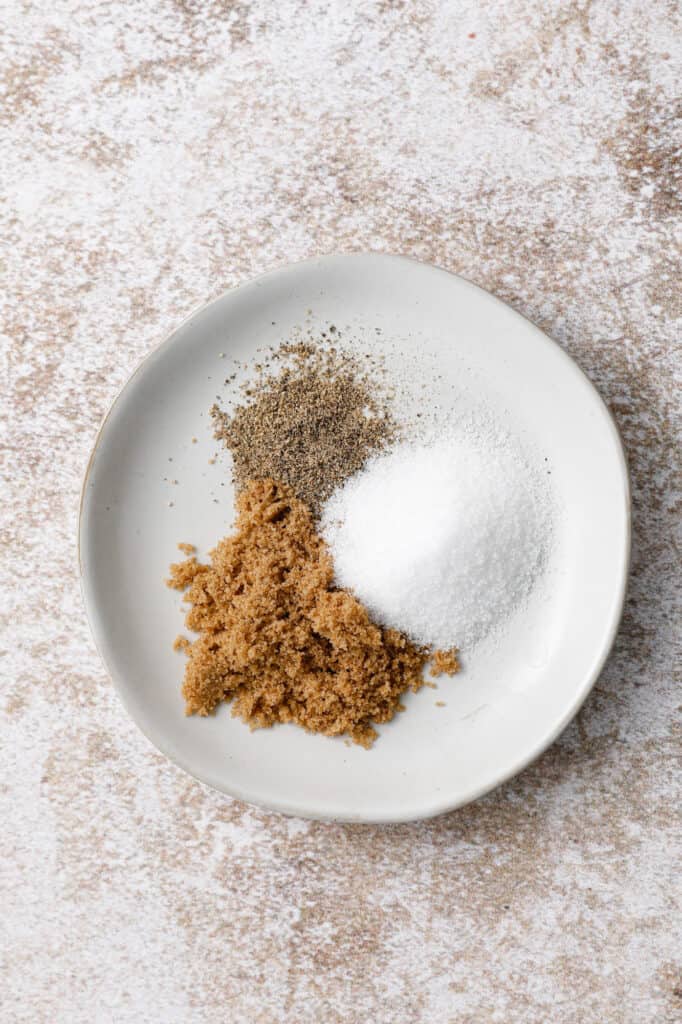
x=442, y=541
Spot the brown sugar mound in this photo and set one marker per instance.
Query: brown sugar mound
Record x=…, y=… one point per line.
x=278, y=639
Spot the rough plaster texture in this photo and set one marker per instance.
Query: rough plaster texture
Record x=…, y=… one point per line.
x=156, y=152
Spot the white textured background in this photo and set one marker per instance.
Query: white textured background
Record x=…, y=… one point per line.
x=155, y=152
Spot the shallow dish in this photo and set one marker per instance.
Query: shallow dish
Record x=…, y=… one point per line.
x=512, y=699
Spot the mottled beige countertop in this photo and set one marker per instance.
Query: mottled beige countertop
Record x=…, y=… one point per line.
x=154, y=154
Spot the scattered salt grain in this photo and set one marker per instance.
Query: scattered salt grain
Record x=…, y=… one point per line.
x=441, y=541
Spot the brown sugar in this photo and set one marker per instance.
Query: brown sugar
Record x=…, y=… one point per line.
x=275, y=636
x=310, y=425
x=445, y=663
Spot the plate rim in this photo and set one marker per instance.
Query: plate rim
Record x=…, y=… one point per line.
x=444, y=805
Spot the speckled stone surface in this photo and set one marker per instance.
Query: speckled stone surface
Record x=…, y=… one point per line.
x=155, y=153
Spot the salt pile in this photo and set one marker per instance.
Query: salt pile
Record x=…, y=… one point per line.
x=441, y=541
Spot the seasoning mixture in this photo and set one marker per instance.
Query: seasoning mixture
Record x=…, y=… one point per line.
x=360, y=555
x=279, y=640
x=310, y=426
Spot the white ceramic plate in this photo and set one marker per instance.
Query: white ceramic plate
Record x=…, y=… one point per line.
x=510, y=702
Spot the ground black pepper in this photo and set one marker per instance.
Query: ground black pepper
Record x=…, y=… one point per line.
x=310, y=425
